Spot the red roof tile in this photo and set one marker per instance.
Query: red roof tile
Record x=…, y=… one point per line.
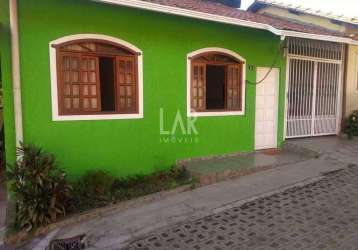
x=214, y=7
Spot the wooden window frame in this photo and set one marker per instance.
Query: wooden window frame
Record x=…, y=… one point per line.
x=192, y=59
x=55, y=54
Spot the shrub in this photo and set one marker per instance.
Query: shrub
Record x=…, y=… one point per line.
x=135, y=186
x=95, y=183
x=351, y=126
x=40, y=188
x=97, y=188
x=92, y=190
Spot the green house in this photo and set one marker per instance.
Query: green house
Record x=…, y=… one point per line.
x=132, y=86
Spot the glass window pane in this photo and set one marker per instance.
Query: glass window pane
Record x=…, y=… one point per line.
x=201, y=92
x=121, y=78
x=94, y=103
x=129, y=78
x=74, y=63
x=76, y=103
x=92, y=64
x=129, y=66
x=201, y=103
x=194, y=92
x=84, y=64
x=92, y=77
x=129, y=102
x=66, y=63
x=66, y=76
x=201, y=71
x=84, y=77
x=75, y=90
x=85, y=103
x=195, y=82
x=67, y=103
x=85, y=90
x=67, y=89
x=93, y=90
x=122, y=102
x=195, y=103
x=122, y=90
x=74, y=76
x=196, y=72
x=121, y=66
x=129, y=91
x=229, y=103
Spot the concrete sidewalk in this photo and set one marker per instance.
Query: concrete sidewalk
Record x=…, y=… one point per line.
x=116, y=230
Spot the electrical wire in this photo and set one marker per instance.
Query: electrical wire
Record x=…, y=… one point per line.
x=271, y=67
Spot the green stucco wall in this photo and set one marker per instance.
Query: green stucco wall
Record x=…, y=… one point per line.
x=5, y=64
x=126, y=147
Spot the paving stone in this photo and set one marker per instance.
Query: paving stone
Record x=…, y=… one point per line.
x=311, y=216
x=320, y=215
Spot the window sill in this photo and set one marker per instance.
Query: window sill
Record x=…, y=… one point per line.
x=96, y=117
x=216, y=113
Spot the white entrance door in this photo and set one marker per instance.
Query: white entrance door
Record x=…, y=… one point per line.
x=266, y=108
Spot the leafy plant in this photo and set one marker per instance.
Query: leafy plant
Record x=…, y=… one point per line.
x=92, y=190
x=95, y=183
x=98, y=188
x=135, y=186
x=40, y=187
x=351, y=125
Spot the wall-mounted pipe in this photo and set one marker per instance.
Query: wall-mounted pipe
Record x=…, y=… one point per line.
x=16, y=80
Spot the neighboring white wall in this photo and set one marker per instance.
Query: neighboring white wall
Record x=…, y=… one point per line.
x=352, y=80
x=305, y=18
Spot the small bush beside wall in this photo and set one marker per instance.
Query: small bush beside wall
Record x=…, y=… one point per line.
x=40, y=188
x=98, y=188
x=42, y=193
x=351, y=126
x=132, y=187
x=92, y=190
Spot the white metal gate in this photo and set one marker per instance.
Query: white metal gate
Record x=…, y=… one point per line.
x=313, y=93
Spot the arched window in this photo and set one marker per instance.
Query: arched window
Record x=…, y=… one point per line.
x=97, y=77
x=216, y=82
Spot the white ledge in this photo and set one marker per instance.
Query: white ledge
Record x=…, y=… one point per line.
x=216, y=113
x=97, y=117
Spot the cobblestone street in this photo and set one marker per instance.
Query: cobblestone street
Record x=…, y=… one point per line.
x=320, y=215
x=309, y=204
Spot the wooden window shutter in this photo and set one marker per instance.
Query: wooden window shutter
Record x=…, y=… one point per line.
x=90, y=84
x=127, y=90
x=234, y=84
x=79, y=86
x=198, y=87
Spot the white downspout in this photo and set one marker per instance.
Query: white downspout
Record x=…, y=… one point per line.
x=16, y=82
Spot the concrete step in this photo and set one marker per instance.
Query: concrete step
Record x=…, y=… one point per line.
x=211, y=170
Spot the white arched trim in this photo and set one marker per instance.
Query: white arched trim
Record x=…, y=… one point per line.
x=233, y=54
x=53, y=69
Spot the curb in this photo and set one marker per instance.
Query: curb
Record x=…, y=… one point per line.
x=22, y=237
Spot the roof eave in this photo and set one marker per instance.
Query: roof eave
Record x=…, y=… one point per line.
x=222, y=19
x=319, y=37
